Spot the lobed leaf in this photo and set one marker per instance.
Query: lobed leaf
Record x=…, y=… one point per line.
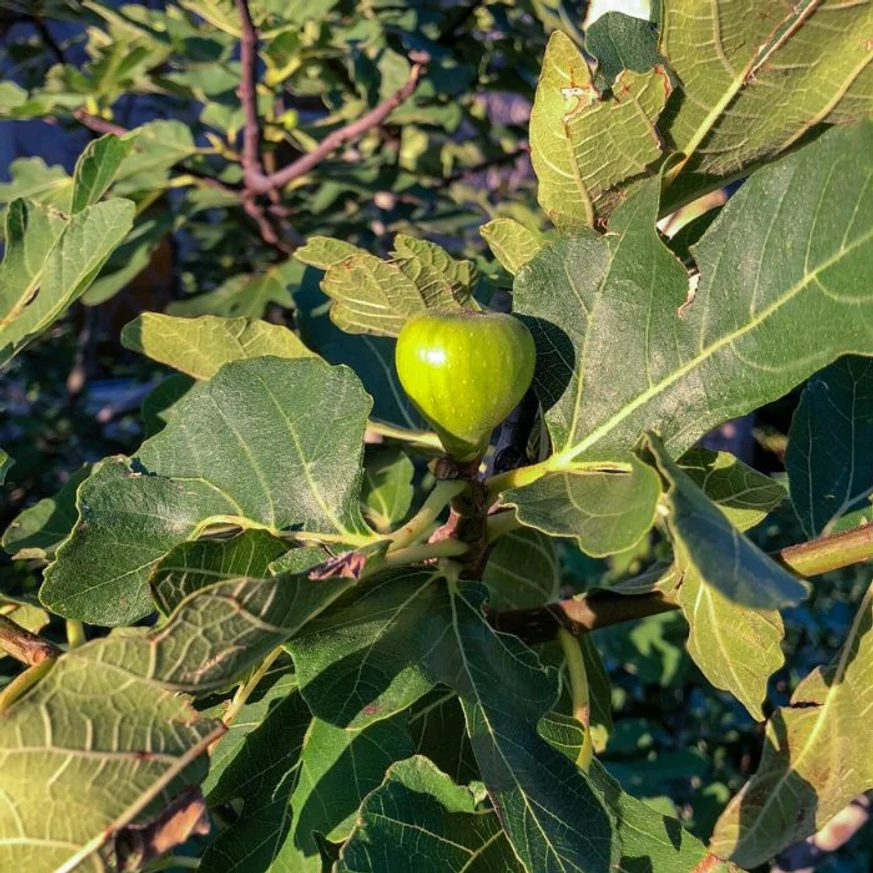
x=418, y=812
x=199, y=346
x=584, y=145
x=511, y=243
x=91, y=748
x=755, y=77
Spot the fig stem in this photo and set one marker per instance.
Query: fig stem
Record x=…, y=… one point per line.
x=500, y=523
x=578, y=690
x=449, y=548
x=420, y=524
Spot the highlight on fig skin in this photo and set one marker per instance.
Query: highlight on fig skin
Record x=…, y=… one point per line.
x=465, y=372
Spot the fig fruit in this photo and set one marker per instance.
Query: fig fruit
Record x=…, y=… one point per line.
x=465, y=372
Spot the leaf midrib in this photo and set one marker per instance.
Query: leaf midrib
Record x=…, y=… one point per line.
x=653, y=391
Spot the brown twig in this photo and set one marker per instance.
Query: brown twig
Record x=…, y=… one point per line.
x=98, y=125
x=24, y=646
x=603, y=608
x=259, y=182
x=248, y=95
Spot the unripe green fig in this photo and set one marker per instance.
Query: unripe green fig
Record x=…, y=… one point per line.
x=465, y=372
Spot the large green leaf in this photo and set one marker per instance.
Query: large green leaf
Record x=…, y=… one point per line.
x=830, y=467
x=440, y=734
x=199, y=346
x=264, y=444
x=584, y=145
x=418, y=812
x=650, y=841
x=298, y=777
x=364, y=659
x=50, y=261
x=816, y=758
x=33, y=179
x=756, y=76
x=554, y=818
x=617, y=355
x=91, y=748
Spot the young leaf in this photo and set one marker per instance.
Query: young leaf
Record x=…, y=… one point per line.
x=755, y=77
x=582, y=145
x=199, y=346
x=551, y=813
x=816, y=758
x=302, y=420
x=512, y=243
x=830, y=467
x=96, y=169
x=387, y=490
x=91, y=748
x=413, y=255
x=419, y=812
x=378, y=297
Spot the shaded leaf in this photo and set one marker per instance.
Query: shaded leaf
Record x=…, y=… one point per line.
x=622, y=42
x=550, y=811
x=297, y=777
x=246, y=295
x=387, y=490
x=363, y=660
x=830, y=468
x=37, y=531
x=706, y=543
x=606, y=511
x=418, y=812
x=816, y=757
x=582, y=144
x=160, y=403
x=522, y=570
x=737, y=648
x=199, y=346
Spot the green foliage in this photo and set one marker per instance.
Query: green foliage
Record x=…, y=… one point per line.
x=264, y=622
